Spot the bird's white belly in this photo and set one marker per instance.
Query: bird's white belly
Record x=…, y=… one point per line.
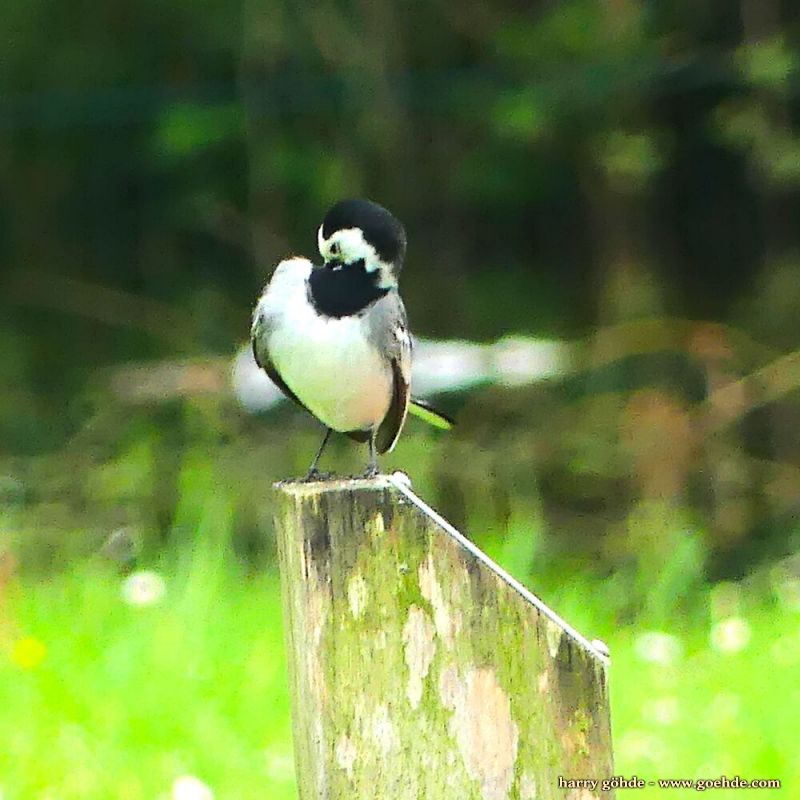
x=331, y=367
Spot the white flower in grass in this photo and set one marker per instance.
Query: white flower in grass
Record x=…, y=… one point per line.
x=143, y=588
x=187, y=787
x=279, y=764
x=661, y=710
x=723, y=709
x=731, y=635
x=658, y=647
x=635, y=745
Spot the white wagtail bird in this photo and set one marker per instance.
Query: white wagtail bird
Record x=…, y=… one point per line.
x=335, y=338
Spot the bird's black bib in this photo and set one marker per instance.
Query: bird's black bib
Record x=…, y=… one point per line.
x=345, y=291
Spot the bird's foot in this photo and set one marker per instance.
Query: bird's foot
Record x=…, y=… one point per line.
x=314, y=475
x=372, y=471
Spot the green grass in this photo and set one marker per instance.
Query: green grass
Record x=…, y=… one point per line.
x=124, y=699
x=709, y=713
x=127, y=698
x=102, y=698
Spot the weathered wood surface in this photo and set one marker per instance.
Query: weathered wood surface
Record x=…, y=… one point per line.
x=418, y=668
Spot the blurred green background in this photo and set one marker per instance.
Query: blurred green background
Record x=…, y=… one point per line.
x=620, y=176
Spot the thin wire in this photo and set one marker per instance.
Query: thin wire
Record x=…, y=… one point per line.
x=439, y=520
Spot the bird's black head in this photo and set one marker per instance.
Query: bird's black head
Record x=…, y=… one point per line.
x=362, y=232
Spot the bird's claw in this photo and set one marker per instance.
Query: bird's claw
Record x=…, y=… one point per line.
x=314, y=475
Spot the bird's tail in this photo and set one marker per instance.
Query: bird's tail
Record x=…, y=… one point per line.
x=425, y=411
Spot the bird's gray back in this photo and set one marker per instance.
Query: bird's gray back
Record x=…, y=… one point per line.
x=387, y=329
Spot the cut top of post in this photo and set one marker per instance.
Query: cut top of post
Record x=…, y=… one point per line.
x=401, y=483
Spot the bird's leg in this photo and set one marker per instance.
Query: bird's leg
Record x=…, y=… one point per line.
x=372, y=469
x=313, y=472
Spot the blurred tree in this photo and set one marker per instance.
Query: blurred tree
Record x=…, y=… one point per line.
x=614, y=168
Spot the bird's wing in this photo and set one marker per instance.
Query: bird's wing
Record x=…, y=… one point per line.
x=264, y=321
x=389, y=332
x=263, y=360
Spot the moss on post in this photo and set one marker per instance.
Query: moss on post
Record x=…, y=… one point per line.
x=418, y=668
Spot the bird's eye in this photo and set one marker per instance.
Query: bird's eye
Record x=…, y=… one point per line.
x=334, y=249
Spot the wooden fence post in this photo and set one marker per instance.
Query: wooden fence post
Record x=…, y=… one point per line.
x=420, y=670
